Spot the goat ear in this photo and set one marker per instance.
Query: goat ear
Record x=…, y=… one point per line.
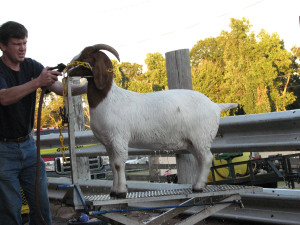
x=100, y=72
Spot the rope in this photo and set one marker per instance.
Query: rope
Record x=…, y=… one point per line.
x=63, y=121
x=38, y=158
x=164, y=207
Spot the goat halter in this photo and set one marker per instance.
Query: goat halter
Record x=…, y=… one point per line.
x=76, y=64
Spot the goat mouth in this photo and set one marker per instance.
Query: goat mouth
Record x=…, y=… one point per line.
x=80, y=69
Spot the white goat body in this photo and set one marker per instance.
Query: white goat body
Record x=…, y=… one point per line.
x=165, y=120
x=160, y=120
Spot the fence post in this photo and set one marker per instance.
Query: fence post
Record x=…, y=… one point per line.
x=179, y=77
x=83, y=167
x=154, y=172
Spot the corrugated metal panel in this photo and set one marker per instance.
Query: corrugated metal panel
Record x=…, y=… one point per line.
x=276, y=131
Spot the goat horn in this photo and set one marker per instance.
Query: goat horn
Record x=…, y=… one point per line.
x=107, y=48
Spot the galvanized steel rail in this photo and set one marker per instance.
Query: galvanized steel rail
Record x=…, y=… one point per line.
x=275, y=131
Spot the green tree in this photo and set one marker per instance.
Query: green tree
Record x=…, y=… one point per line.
x=295, y=78
x=132, y=73
x=120, y=78
x=157, y=71
x=50, y=111
x=208, y=50
x=207, y=78
x=238, y=66
x=131, y=70
x=155, y=79
x=207, y=67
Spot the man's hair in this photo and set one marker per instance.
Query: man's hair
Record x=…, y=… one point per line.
x=12, y=29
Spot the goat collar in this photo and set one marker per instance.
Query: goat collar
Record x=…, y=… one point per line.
x=76, y=64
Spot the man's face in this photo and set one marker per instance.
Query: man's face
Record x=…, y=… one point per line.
x=15, y=49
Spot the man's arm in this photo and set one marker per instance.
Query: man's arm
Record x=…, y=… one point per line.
x=14, y=94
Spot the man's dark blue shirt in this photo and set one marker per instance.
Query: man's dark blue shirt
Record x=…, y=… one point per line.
x=17, y=120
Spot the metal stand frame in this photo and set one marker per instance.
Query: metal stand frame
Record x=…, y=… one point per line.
x=212, y=200
x=170, y=214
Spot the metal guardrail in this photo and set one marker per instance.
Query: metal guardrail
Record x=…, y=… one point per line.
x=275, y=131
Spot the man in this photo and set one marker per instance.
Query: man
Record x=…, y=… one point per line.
x=20, y=77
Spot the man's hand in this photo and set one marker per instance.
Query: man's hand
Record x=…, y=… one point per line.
x=14, y=94
x=48, y=77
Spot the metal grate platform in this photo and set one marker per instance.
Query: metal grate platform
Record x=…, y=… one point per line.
x=160, y=195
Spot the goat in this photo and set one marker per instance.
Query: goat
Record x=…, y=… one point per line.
x=165, y=120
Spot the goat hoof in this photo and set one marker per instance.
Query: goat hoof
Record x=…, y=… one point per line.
x=198, y=190
x=113, y=194
x=121, y=195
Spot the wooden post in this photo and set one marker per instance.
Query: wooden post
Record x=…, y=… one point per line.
x=179, y=77
x=179, y=69
x=154, y=172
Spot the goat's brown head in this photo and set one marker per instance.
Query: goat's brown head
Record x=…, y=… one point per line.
x=101, y=67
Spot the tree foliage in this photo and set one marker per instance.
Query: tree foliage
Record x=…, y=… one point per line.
x=130, y=75
x=294, y=86
x=239, y=66
x=157, y=71
x=50, y=111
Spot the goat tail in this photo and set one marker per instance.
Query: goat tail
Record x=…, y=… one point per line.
x=226, y=106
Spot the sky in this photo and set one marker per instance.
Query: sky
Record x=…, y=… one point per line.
x=60, y=29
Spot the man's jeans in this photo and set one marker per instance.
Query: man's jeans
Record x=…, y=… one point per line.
x=18, y=168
